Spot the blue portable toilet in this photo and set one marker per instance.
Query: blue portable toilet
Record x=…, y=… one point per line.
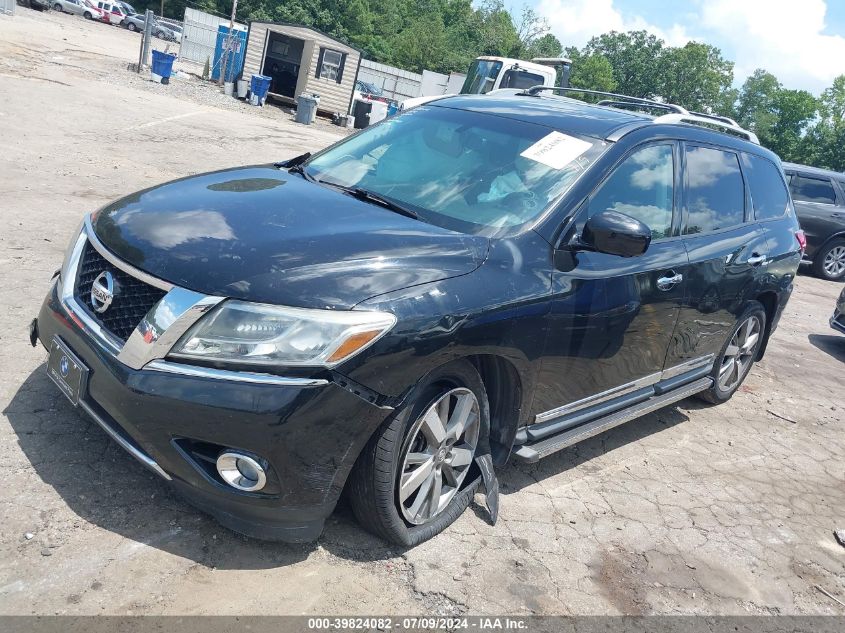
x=235, y=63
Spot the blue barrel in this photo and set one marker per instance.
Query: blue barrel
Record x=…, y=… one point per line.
x=392, y=108
x=260, y=85
x=162, y=65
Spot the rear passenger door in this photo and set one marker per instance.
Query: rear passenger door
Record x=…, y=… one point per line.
x=612, y=317
x=727, y=251
x=819, y=206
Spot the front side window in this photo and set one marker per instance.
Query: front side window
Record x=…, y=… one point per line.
x=806, y=189
x=715, y=190
x=466, y=171
x=768, y=193
x=331, y=65
x=520, y=79
x=641, y=187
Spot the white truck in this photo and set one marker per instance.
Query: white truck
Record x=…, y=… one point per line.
x=487, y=74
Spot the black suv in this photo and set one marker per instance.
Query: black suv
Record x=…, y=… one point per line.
x=819, y=197
x=481, y=278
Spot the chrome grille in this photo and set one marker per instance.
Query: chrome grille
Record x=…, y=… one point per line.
x=132, y=297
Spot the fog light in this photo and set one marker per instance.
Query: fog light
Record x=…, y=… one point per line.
x=241, y=471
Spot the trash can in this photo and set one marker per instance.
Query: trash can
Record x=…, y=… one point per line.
x=361, y=113
x=243, y=88
x=258, y=89
x=162, y=66
x=392, y=108
x=306, y=108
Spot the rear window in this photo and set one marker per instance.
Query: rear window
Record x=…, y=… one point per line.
x=768, y=193
x=807, y=189
x=715, y=190
x=520, y=79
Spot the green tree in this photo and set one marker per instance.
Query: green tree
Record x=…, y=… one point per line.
x=546, y=46
x=592, y=72
x=694, y=76
x=825, y=142
x=635, y=58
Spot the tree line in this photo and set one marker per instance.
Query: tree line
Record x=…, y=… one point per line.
x=446, y=35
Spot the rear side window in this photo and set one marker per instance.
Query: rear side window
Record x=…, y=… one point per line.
x=806, y=189
x=642, y=187
x=715, y=194
x=768, y=193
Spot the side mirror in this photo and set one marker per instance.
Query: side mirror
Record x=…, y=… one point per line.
x=615, y=233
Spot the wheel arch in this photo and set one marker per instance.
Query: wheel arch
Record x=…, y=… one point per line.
x=505, y=394
x=770, y=302
x=840, y=235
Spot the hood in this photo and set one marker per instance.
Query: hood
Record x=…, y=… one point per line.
x=261, y=234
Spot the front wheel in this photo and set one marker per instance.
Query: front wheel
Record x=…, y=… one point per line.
x=416, y=475
x=87, y=15
x=829, y=262
x=131, y=26
x=57, y=7
x=737, y=354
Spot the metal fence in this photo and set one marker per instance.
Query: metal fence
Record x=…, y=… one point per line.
x=397, y=84
x=199, y=35
x=7, y=7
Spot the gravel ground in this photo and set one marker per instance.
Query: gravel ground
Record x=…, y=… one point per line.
x=692, y=509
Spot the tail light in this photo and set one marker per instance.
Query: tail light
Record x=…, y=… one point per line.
x=802, y=239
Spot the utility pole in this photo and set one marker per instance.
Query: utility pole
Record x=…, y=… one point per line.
x=227, y=44
x=161, y=15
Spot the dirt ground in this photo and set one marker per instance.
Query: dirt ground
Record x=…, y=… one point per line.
x=693, y=509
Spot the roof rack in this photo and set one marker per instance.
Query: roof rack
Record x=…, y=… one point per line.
x=676, y=113
x=709, y=120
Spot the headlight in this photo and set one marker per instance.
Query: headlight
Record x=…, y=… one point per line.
x=261, y=334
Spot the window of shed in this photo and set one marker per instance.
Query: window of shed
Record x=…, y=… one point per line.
x=331, y=66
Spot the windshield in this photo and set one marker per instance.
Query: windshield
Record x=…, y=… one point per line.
x=465, y=171
x=481, y=77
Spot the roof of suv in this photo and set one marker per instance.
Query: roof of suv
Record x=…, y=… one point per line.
x=586, y=119
x=574, y=115
x=818, y=171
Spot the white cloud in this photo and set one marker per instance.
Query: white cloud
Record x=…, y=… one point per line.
x=783, y=36
x=574, y=22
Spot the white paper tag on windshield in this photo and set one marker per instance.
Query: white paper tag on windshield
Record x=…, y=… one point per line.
x=556, y=150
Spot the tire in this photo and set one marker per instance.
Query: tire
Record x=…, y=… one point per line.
x=829, y=261
x=87, y=15
x=725, y=381
x=57, y=7
x=131, y=26
x=373, y=488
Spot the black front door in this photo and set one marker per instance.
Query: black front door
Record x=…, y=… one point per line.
x=612, y=317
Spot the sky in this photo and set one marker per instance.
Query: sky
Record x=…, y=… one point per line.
x=801, y=42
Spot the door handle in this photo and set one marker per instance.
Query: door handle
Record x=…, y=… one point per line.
x=667, y=283
x=756, y=260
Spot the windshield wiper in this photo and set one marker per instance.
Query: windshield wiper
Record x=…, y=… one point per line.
x=293, y=162
x=300, y=169
x=374, y=198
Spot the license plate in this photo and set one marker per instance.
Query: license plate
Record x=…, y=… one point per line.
x=66, y=370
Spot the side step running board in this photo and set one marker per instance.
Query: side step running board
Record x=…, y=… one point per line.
x=533, y=452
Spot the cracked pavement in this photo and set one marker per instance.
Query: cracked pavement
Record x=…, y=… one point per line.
x=692, y=509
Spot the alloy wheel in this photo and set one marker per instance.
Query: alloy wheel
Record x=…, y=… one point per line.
x=740, y=353
x=437, y=455
x=834, y=261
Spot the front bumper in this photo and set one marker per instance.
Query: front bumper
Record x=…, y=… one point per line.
x=309, y=436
